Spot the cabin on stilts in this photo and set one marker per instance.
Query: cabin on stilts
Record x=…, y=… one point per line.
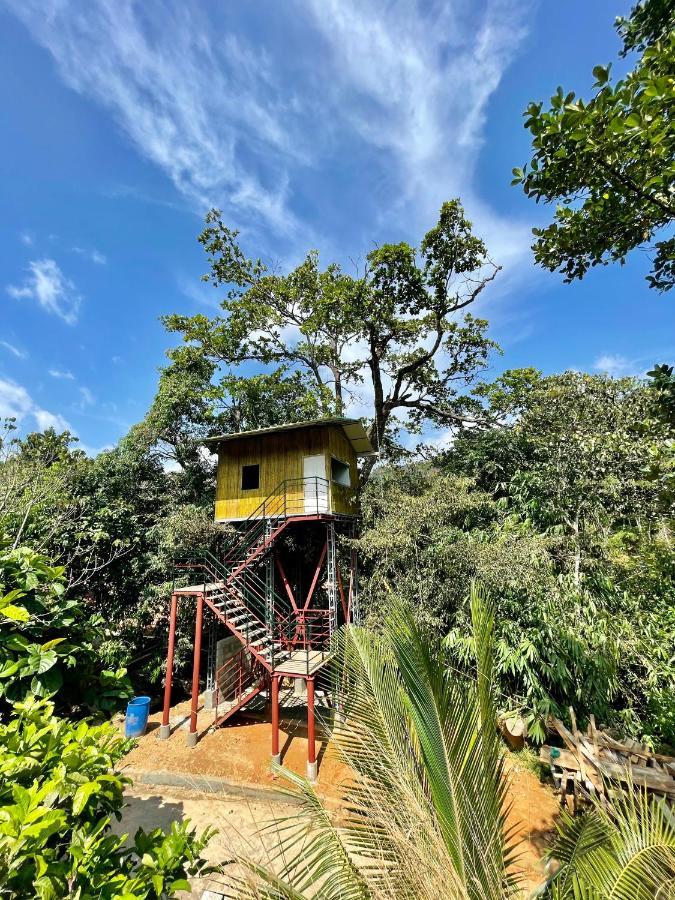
x=279, y=589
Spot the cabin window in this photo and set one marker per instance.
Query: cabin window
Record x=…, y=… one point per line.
x=250, y=477
x=339, y=472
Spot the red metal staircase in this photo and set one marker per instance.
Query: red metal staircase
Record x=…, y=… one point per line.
x=270, y=630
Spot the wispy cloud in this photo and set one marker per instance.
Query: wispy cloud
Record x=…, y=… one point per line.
x=87, y=397
x=93, y=255
x=238, y=119
x=15, y=351
x=47, y=284
x=186, y=97
x=617, y=366
x=62, y=374
x=415, y=82
x=26, y=238
x=17, y=403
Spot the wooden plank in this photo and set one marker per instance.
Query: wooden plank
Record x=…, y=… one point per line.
x=566, y=760
x=567, y=736
x=639, y=775
x=593, y=734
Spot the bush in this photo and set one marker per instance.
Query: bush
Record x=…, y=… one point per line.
x=58, y=792
x=48, y=642
x=58, y=785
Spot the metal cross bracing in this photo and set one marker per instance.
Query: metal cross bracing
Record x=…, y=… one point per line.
x=212, y=641
x=280, y=634
x=332, y=585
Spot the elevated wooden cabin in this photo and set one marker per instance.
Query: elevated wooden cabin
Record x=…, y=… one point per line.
x=304, y=468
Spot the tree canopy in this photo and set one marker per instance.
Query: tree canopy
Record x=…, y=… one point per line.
x=396, y=338
x=609, y=161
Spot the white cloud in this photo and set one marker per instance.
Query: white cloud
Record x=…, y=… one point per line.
x=618, y=366
x=20, y=354
x=401, y=88
x=87, y=397
x=26, y=238
x=62, y=374
x=187, y=98
x=47, y=284
x=17, y=403
x=93, y=255
x=47, y=420
x=420, y=78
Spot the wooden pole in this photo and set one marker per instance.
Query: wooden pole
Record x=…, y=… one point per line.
x=276, y=756
x=165, y=730
x=192, y=734
x=311, y=740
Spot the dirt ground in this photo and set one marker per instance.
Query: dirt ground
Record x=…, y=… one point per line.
x=239, y=751
x=238, y=822
x=532, y=815
x=239, y=754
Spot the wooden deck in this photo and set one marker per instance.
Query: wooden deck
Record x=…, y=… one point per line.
x=302, y=663
x=200, y=588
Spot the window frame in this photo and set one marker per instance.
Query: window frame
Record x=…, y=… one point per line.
x=347, y=469
x=246, y=469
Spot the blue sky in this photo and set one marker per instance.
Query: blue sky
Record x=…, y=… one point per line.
x=328, y=124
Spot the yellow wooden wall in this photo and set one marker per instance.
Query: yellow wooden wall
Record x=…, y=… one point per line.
x=280, y=456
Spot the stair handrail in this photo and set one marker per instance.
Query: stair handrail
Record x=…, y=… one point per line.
x=271, y=507
x=254, y=603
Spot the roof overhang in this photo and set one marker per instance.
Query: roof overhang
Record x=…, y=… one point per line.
x=353, y=428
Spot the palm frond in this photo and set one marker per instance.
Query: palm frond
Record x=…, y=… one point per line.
x=423, y=813
x=625, y=854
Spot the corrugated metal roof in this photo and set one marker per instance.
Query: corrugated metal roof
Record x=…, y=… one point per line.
x=353, y=429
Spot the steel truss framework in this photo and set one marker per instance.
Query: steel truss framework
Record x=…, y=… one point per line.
x=295, y=648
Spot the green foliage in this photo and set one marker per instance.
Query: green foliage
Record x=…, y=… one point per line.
x=608, y=161
x=574, y=457
x=47, y=643
x=628, y=853
x=428, y=535
x=112, y=524
x=320, y=334
x=58, y=793
x=663, y=386
x=58, y=787
x=556, y=510
x=424, y=813
x=649, y=21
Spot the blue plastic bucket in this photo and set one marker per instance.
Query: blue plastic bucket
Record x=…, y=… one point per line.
x=137, y=717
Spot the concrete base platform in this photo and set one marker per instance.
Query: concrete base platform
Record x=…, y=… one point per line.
x=191, y=739
x=209, y=699
x=164, y=732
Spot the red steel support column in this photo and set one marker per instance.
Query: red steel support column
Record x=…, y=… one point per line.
x=276, y=756
x=311, y=741
x=165, y=728
x=192, y=734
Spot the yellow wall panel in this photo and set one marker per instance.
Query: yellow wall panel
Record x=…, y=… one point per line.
x=280, y=457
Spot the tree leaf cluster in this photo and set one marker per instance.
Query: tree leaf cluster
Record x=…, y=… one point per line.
x=608, y=162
